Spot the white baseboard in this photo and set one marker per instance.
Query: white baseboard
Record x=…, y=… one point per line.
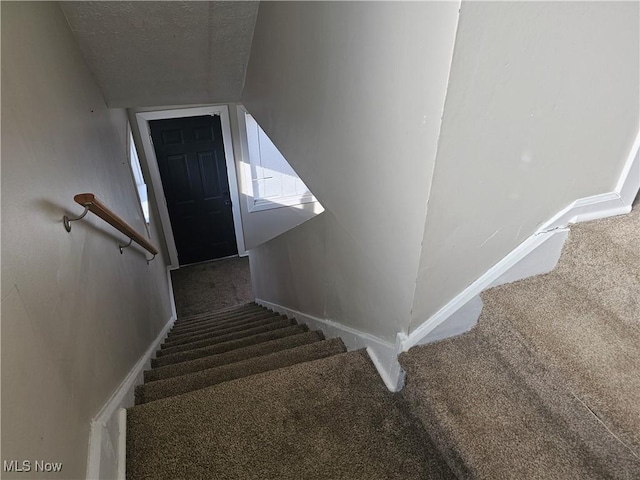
x=439, y=327
x=172, y=299
x=122, y=444
x=586, y=209
x=629, y=182
x=383, y=354
x=536, y=255
x=540, y=254
x=105, y=438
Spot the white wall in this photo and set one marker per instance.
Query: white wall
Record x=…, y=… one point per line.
x=319, y=269
x=260, y=226
x=76, y=315
x=352, y=94
x=541, y=110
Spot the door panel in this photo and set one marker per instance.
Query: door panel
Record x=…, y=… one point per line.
x=194, y=177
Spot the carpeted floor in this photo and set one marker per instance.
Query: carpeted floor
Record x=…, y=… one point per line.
x=210, y=286
x=295, y=406
x=548, y=384
x=329, y=419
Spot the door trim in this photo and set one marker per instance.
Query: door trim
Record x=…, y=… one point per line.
x=143, y=118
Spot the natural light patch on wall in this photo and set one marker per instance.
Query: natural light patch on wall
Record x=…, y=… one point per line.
x=269, y=179
x=138, y=178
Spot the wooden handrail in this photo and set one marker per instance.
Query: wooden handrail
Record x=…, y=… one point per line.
x=94, y=205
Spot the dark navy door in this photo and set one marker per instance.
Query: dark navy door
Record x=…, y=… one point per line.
x=190, y=154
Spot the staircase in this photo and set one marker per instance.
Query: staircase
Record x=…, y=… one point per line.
x=547, y=385
x=245, y=393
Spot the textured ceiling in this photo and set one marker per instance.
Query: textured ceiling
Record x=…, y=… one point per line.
x=165, y=53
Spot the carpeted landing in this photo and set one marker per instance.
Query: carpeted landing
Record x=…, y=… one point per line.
x=247, y=394
x=209, y=286
x=547, y=385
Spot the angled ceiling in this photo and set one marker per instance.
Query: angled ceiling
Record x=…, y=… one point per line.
x=165, y=53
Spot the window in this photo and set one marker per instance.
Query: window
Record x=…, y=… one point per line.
x=141, y=187
x=274, y=183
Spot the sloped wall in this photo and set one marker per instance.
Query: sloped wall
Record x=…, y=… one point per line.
x=352, y=95
x=76, y=315
x=542, y=109
x=259, y=226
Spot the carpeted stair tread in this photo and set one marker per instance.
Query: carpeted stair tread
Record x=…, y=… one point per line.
x=561, y=398
x=547, y=385
x=219, y=325
x=621, y=231
x=491, y=424
x=186, y=325
x=231, y=309
x=222, y=329
x=596, y=351
x=221, y=314
x=326, y=419
x=227, y=346
x=605, y=265
x=232, y=356
x=156, y=390
x=179, y=325
x=226, y=337
x=583, y=319
x=217, y=332
x=203, y=319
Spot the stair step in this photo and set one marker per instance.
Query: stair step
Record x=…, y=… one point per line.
x=501, y=417
x=193, y=320
x=227, y=346
x=181, y=329
x=326, y=419
x=224, y=338
x=232, y=356
x=228, y=310
x=216, y=332
x=596, y=351
x=220, y=324
x=194, y=381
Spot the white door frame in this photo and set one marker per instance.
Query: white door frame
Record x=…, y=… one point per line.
x=143, y=118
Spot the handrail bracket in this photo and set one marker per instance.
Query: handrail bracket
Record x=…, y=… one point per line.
x=122, y=247
x=67, y=221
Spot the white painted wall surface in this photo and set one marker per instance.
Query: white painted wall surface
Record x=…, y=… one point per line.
x=352, y=94
x=541, y=110
x=320, y=270
x=76, y=315
x=260, y=226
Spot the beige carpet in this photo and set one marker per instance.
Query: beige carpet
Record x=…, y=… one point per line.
x=294, y=407
x=210, y=286
x=548, y=384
